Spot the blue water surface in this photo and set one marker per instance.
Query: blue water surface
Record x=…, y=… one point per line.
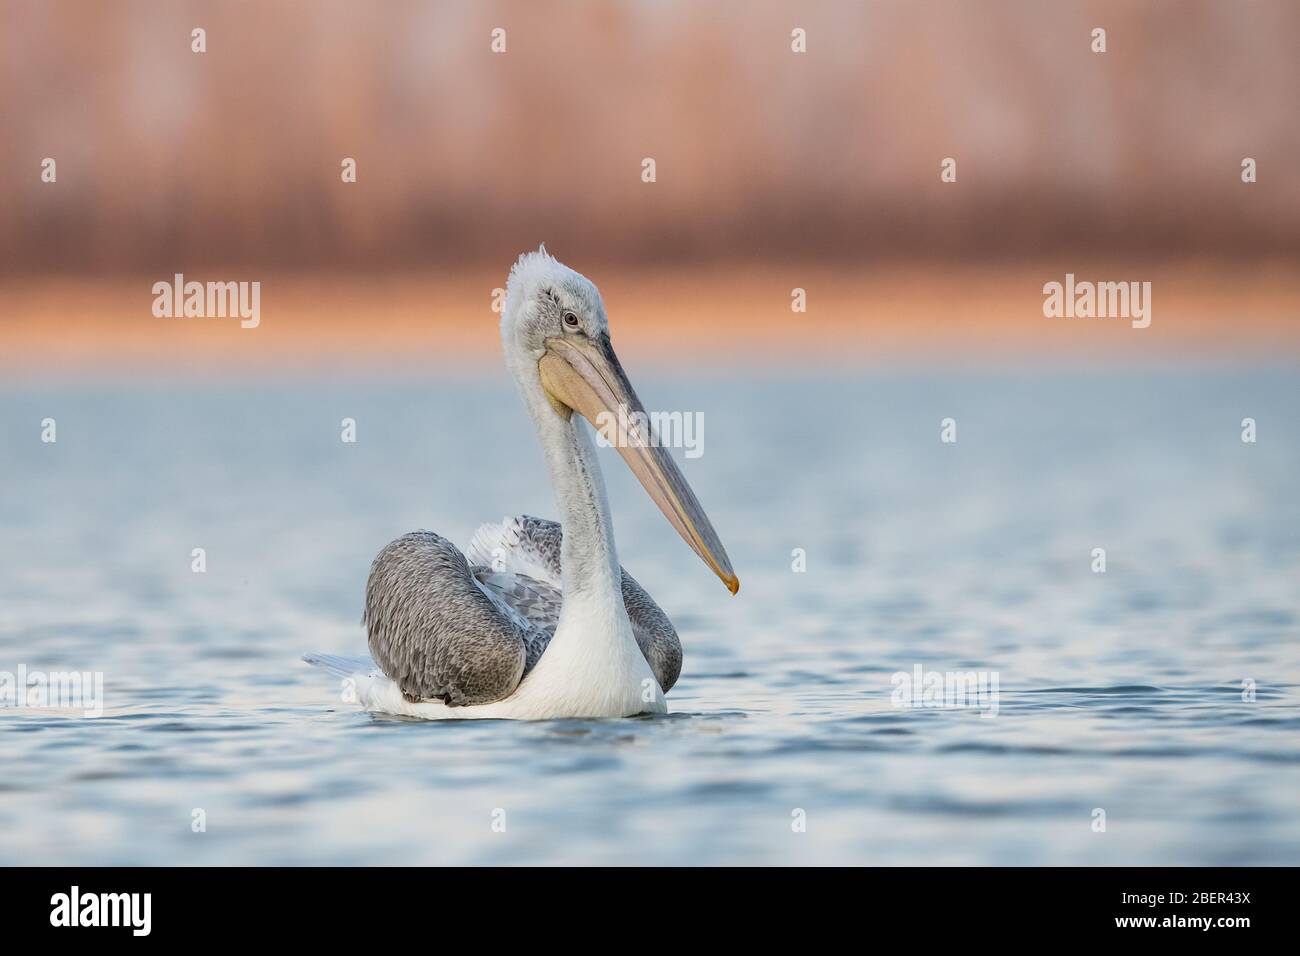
x=1159, y=697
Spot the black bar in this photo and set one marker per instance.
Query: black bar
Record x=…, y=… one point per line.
x=442, y=907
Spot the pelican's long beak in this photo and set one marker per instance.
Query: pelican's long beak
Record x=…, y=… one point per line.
x=585, y=376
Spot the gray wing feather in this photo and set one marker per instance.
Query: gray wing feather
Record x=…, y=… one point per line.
x=536, y=602
x=434, y=632
x=522, y=558
x=654, y=632
x=524, y=545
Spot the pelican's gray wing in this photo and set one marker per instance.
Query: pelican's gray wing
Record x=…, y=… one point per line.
x=434, y=631
x=535, y=601
x=654, y=632
x=518, y=563
x=522, y=545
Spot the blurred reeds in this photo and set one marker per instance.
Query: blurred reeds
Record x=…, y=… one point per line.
x=774, y=169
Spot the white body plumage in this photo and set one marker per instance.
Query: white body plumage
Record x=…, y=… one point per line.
x=593, y=666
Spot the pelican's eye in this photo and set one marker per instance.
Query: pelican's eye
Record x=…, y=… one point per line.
x=571, y=321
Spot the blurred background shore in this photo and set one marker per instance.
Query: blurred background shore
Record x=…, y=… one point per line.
x=774, y=170
x=730, y=316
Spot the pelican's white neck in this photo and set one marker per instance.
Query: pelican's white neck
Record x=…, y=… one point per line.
x=589, y=568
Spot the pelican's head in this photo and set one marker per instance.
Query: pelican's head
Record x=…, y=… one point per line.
x=546, y=299
x=556, y=340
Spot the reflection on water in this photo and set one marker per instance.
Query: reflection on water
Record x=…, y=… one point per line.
x=1120, y=691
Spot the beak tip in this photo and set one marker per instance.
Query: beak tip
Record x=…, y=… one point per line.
x=732, y=582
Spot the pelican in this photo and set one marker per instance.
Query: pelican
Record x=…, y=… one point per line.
x=537, y=620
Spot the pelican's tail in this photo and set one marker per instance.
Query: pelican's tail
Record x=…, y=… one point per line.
x=365, y=685
x=342, y=666
x=360, y=679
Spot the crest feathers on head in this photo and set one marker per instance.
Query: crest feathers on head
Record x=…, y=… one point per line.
x=529, y=265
